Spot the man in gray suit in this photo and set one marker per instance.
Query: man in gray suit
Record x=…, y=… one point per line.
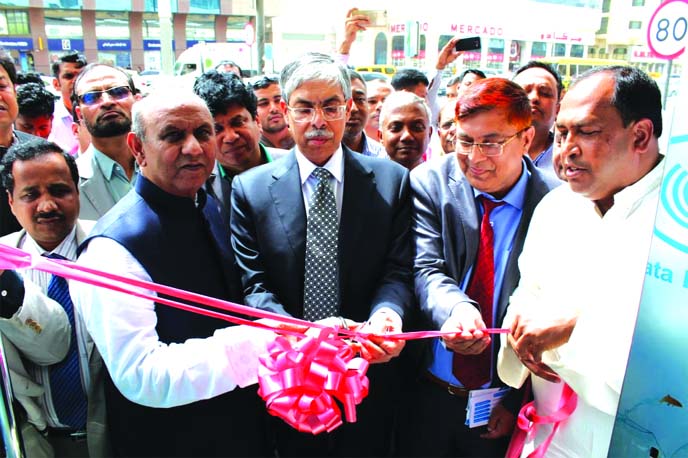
x=104, y=96
x=485, y=192
x=53, y=344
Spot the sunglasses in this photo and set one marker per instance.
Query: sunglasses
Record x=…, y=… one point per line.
x=115, y=93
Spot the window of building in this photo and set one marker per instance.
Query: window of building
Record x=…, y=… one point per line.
x=444, y=39
x=495, y=53
x=235, y=28
x=113, y=5
x=559, y=49
x=619, y=53
x=14, y=22
x=150, y=26
x=110, y=24
x=204, y=6
x=538, y=50
x=605, y=5
x=63, y=24
x=16, y=3
x=152, y=5
x=603, y=25
x=398, y=50
x=638, y=2
x=577, y=50
x=200, y=27
x=635, y=25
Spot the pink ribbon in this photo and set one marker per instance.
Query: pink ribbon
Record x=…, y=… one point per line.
x=528, y=419
x=299, y=383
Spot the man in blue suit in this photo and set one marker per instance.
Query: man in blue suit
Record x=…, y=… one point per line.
x=365, y=273
x=486, y=191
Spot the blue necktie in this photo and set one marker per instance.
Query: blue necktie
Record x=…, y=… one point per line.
x=66, y=389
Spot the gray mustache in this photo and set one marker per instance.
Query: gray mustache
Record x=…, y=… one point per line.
x=319, y=133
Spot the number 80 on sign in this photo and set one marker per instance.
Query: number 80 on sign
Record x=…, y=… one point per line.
x=667, y=32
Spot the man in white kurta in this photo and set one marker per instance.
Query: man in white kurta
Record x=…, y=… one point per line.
x=582, y=267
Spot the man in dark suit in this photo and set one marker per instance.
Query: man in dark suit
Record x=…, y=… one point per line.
x=363, y=270
x=455, y=292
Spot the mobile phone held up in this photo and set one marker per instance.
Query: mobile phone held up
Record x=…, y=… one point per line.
x=468, y=44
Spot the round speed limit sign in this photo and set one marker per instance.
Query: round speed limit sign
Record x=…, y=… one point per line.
x=667, y=33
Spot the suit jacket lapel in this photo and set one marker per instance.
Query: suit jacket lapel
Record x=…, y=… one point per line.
x=288, y=199
x=359, y=184
x=467, y=218
x=92, y=186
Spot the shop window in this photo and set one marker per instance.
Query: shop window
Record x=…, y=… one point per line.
x=13, y=22
x=577, y=50
x=204, y=6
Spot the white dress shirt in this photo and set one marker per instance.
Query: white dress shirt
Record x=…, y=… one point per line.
x=335, y=165
x=144, y=369
x=576, y=261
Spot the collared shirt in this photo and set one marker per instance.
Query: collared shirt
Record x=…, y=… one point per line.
x=504, y=221
x=118, y=185
x=373, y=148
x=577, y=261
x=544, y=160
x=335, y=165
x=61, y=132
x=66, y=248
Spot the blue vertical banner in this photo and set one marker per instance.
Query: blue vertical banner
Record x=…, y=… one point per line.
x=652, y=418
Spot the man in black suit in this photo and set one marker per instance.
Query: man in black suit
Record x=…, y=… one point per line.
x=490, y=170
x=365, y=273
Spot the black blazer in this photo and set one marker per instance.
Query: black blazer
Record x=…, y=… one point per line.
x=268, y=222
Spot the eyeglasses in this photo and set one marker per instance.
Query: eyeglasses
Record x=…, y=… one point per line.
x=486, y=149
x=329, y=113
x=115, y=93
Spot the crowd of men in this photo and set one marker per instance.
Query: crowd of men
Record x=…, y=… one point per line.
x=317, y=195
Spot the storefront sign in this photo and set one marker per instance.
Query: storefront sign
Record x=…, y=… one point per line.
x=114, y=45
x=23, y=44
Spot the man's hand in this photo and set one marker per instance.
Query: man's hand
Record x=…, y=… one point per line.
x=467, y=324
x=501, y=423
x=448, y=54
x=377, y=349
x=530, y=337
x=354, y=23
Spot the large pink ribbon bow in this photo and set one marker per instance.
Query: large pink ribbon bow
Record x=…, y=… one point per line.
x=300, y=383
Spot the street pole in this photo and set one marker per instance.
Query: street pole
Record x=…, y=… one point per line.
x=260, y=36
x=166, y=51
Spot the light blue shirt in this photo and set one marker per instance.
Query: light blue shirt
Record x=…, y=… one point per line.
x=373, y=148
x=118, y=185
x=504, y=221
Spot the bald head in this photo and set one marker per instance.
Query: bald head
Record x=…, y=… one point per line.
x=173, y=142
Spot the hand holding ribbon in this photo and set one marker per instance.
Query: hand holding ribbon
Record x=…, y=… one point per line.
x=466, y=331
x=530, y=337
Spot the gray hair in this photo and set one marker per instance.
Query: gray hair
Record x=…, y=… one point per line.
x=401, y=99
x=310, y=67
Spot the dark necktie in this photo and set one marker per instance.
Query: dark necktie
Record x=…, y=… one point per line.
x=66, y=389
x=473, y=371
x=320, y=295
